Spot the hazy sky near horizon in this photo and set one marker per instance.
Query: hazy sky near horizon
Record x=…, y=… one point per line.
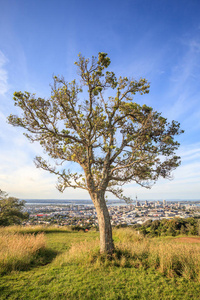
x=157, y=39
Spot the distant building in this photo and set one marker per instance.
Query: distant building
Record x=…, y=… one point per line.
x=137, y=202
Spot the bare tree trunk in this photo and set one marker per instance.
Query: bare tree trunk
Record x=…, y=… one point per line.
x=105, y=229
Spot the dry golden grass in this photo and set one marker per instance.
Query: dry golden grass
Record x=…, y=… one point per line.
x=127, y=235
x=180, y=259
x=133, y=250
x=33, y=229
x=168, y=256
x=17, y=250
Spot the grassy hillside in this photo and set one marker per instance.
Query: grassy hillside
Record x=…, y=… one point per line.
x=64, y=264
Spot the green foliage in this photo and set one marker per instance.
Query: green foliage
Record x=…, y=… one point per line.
x=171, y=227
x=114, y=139
x=11, y=210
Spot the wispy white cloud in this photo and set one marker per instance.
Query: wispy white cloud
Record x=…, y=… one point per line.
x=190, y=152
x=3, y=74
x=185, y=188
x=185, y=183
x=18, y=173
x=183, y=95
x=186, y=67
x=20, y=177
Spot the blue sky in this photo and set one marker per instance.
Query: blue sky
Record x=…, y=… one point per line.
x=157, y=39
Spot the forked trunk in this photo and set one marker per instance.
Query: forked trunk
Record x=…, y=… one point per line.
x=105, y=229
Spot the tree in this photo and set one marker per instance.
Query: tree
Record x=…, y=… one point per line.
x=11, y=210
x=113, y=139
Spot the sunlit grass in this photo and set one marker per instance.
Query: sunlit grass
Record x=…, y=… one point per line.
x=18, y=251
x=34, y=229
x=135, y=251
x=140, y=268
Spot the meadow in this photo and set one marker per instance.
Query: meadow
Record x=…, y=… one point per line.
x=58, y=263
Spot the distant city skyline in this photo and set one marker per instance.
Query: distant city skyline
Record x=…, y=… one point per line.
x=157, y=40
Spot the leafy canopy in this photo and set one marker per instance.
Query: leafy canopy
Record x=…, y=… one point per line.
x=113, y=139
x=11, y=210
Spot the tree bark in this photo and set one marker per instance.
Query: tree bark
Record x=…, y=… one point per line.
x=105, y=228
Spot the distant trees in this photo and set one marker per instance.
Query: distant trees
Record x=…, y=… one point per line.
x=172, y=227
x=11, y=210
x=113, y=139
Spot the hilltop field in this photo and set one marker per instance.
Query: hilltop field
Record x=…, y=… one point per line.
x=59, y=263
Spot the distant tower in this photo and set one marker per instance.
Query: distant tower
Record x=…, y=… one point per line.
x=137, y=202
x=164, y=202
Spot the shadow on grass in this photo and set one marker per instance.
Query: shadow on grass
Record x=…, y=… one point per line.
x=45, y=230
x=43, y=257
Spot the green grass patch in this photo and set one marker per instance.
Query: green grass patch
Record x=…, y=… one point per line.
x=140, y=268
